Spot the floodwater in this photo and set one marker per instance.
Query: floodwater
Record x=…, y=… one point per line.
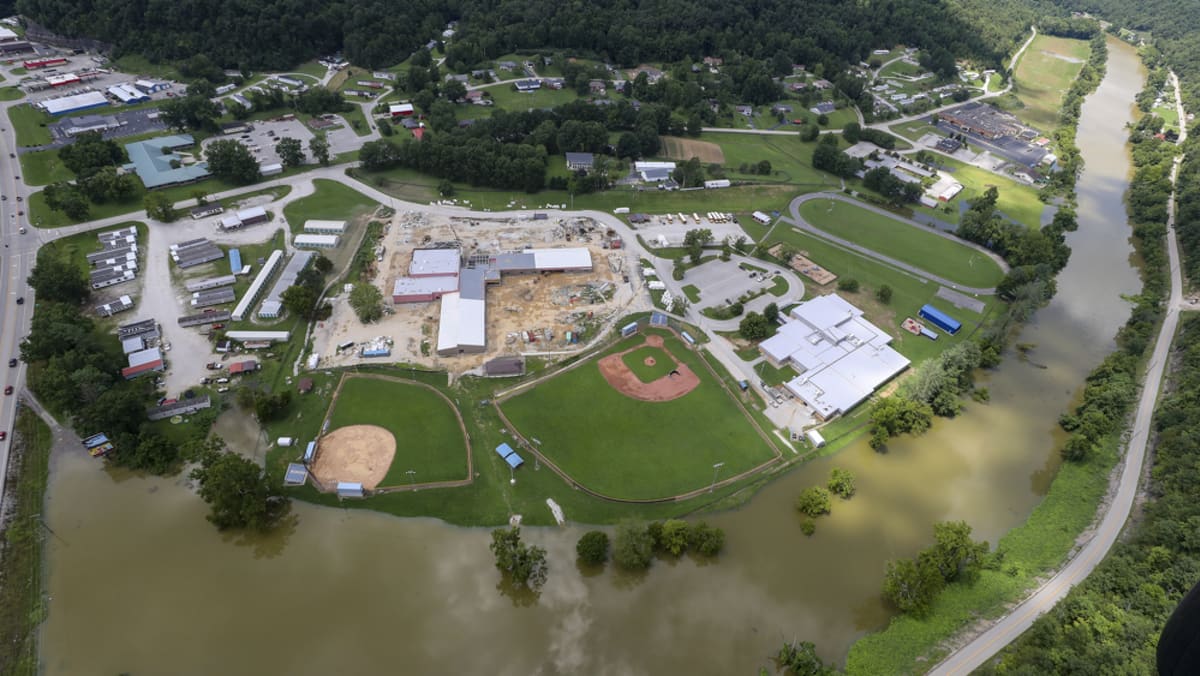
x=141, y=584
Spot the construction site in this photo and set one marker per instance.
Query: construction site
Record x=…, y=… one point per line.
x=533, y=285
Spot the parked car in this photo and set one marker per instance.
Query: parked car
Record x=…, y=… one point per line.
x=8, y=390
x=222, y=381
x=12, y=362
x=212, y=366
x=3, y=435
x=222, y=389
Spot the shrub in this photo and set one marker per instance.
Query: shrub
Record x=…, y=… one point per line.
x=592, y=548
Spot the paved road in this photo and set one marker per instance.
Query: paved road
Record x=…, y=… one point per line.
x=798, y=222
x=1011, y=626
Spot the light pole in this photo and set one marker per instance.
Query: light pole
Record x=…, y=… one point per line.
x=412, y=474
x=716, y=468
x=512, y=478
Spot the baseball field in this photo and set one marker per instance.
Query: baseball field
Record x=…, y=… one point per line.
x=424, y=427
x=634, y=447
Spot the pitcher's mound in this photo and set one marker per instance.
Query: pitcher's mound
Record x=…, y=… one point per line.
x=358, y=453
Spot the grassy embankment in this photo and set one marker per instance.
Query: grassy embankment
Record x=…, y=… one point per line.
x=906, y=243
x=330, y=201
x=22, y=605
x=1044, y=74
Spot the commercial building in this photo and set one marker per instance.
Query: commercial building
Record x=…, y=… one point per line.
x=654, y=172
x=157, y=163
x=311, y=241
x=74, y=103
x=62, y=79
x=128, y=94
x=841, y=358
x=258, y=286
x=272, y=307
x=74, y=126
x=325, y=227
x=983, y=120
x=35, y=64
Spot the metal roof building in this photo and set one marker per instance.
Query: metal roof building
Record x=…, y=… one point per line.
x=325, y=227
x=73, y=103
x=433, y=262
x=841, y=358
x=273, y=305
x=422, y=289
x=462, y=326
x=257, y=286
x=269, y=336
x=155, y=168
x=312, y=241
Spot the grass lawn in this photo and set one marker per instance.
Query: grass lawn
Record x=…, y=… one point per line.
x=428, y=438
x=357, y=121
x=30, y=125
x=908, y=294
x=75, y=248
x=1020, y=202
x=507, y=98
x=692, y=293
x=1047, y=69
x=140, y=65
x=773, y=376
x=332, y=200
x=627, y=448
x=779, y=287
x=636, y=361
x=790, y=158
x=913, y=245
x=44, y=167
x=10, y=93
x=311, y=68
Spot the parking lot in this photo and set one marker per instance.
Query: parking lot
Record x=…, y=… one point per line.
x=263, y=136
x=675, y=231
x=720, y=281
x=132, y=123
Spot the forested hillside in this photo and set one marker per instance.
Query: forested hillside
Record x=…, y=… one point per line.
x=280, y=33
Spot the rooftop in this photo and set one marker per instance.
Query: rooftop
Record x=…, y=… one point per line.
x=147, y=158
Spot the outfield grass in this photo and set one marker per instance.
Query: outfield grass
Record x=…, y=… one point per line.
x=1047, y=69
x=632, y=449
x=428, y=438
x=10, y=93
x=332, y=200
x=940, y=256
x=44, y=167
x=636, y=361
x=909, y=293
x=29, y=123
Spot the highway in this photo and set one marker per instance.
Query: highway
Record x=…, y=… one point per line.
x=1006, y=630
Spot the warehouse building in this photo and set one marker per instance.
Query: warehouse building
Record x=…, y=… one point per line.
x=258, y=286
x=325, y=227
x=841, y=358
x=143, y=362
x=311, y=241
x=157, y=163
x=272, y=307
x=74, y=103
x=74, y=126
x=128, y=94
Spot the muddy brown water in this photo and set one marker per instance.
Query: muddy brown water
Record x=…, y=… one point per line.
x=141, y=583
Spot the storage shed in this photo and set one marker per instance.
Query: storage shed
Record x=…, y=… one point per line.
x=940, y=319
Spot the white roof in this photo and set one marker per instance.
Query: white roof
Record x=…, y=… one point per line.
x=841, y=358
x=144, y=356
x=578, y=258
x=435, y=262
x=133, y=343
x=7, y=35
x=643, y=166
x=256, y=287
x=400, y=108
x=279, y=336
x=412, y=286
x=231, y=222
x=252, y=212
x=76, y=101
x=945, y=189
x=463, y=323
x=325, y=226
x=61, y=79
x=309, y=239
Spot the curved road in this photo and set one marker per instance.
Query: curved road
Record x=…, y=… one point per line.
x=972, y=655
x=798, y=222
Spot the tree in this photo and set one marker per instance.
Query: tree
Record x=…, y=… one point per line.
x=322, y=265
x=706, y=540
x=955, y=555
x=771, y=312
x=524, y=565
x=239, y=493
x=291, y=151
x=367, y=302
x=319, y=147
x=89, y=153
x=841, y=483
x=897, y=415
x=912, y=585
x=58, y=280
x=592, y=548
x=801, y=659
x=231, y=161
x=153, y=453
x=754, y=326
x=454, y=90
x=159, y=207
x=268, y=407
x=200, y=196
x=884, y=294
x=814, y=502
x=446, y=188
x=674, y=537
x=67, y=198
x=848, y=284
x=628, y=146
x=633, y=548
x=195, y=111
x=694, y=240
x=809, y=132
x=300, y=301
x=851, y=132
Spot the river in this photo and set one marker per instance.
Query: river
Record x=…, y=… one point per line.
x=140, y=583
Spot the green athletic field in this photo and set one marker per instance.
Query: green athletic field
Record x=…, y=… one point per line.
x=625, y=448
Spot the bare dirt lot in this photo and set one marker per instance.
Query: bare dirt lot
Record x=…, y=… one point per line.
x=358, y=453
x=686, y=148
x=672, y=386
x=525, y=313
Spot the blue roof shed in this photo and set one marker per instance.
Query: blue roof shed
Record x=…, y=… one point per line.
x=510, y=456
x=940, y=319
x=235, y=261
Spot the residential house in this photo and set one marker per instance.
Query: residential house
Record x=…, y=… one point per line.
x=580, y=161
